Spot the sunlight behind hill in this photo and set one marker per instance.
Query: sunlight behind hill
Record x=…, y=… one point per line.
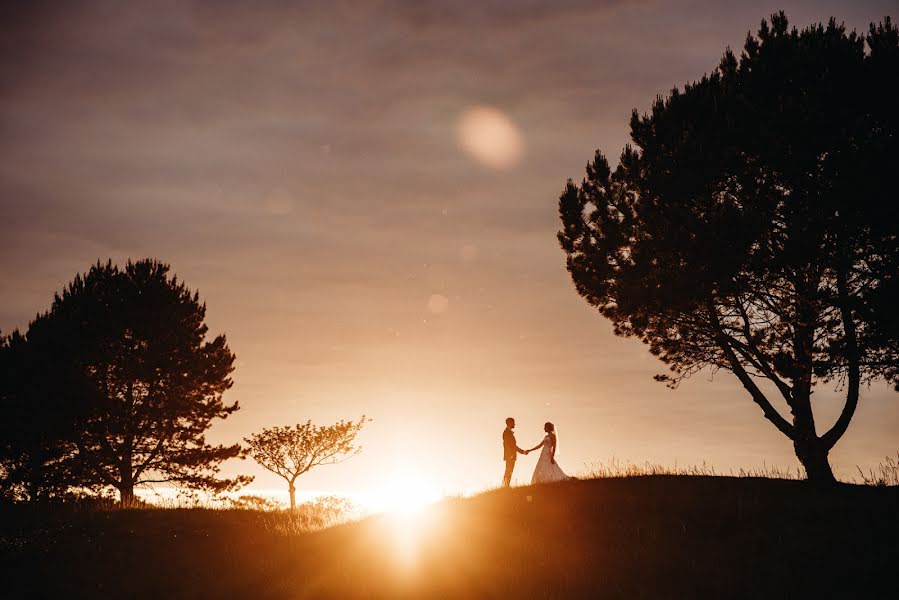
x=402, y=494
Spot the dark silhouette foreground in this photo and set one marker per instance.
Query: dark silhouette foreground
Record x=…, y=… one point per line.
x=646, y=537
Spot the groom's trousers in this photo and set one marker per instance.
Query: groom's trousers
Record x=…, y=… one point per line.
x=507, y=477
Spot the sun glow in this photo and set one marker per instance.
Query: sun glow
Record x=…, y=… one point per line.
x=403, y=495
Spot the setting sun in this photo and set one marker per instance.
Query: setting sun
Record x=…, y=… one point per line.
x=402, y=495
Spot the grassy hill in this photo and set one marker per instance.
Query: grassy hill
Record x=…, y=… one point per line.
x=642, y=537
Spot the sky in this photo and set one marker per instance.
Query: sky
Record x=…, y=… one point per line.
x=365, y=195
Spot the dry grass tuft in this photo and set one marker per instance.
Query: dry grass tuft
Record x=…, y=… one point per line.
x=615, y=468
x=887, y=473
x=322, y=513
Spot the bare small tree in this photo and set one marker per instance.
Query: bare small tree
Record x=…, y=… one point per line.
x=291, y=451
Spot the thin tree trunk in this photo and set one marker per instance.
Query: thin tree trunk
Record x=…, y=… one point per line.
x=293, y=499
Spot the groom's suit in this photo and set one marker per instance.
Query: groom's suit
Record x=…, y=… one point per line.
x=510, y=453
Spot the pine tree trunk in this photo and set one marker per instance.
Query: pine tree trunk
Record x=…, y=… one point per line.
x=126, y=496
x=126, y=472
x=126, y=486
x=810, y=449
x=813, y=457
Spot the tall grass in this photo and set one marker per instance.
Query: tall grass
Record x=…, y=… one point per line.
x=614, y=468
x=321, y=513
x=887, y=473
x=274, y=517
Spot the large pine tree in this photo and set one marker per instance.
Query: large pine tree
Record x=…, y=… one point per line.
x=754, y=225
x=154, y=382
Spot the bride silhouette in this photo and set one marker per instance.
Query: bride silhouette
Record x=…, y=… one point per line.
x=547, y=469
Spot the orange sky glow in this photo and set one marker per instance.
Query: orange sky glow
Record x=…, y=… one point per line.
x=365, y=196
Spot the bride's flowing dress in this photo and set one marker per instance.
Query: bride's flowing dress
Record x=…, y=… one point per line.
x=546, y=471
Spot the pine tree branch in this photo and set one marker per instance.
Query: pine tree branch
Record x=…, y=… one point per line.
x=757, y=395
x=834, y=434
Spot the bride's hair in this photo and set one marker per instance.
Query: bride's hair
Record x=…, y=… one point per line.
x=549, y=427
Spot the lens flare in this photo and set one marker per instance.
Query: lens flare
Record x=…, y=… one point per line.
x=438, y=303
x=490, y=137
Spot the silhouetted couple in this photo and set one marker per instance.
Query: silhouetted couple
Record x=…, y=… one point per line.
x=547, y=469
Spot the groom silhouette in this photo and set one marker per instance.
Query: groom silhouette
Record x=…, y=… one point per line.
x=510, y=450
